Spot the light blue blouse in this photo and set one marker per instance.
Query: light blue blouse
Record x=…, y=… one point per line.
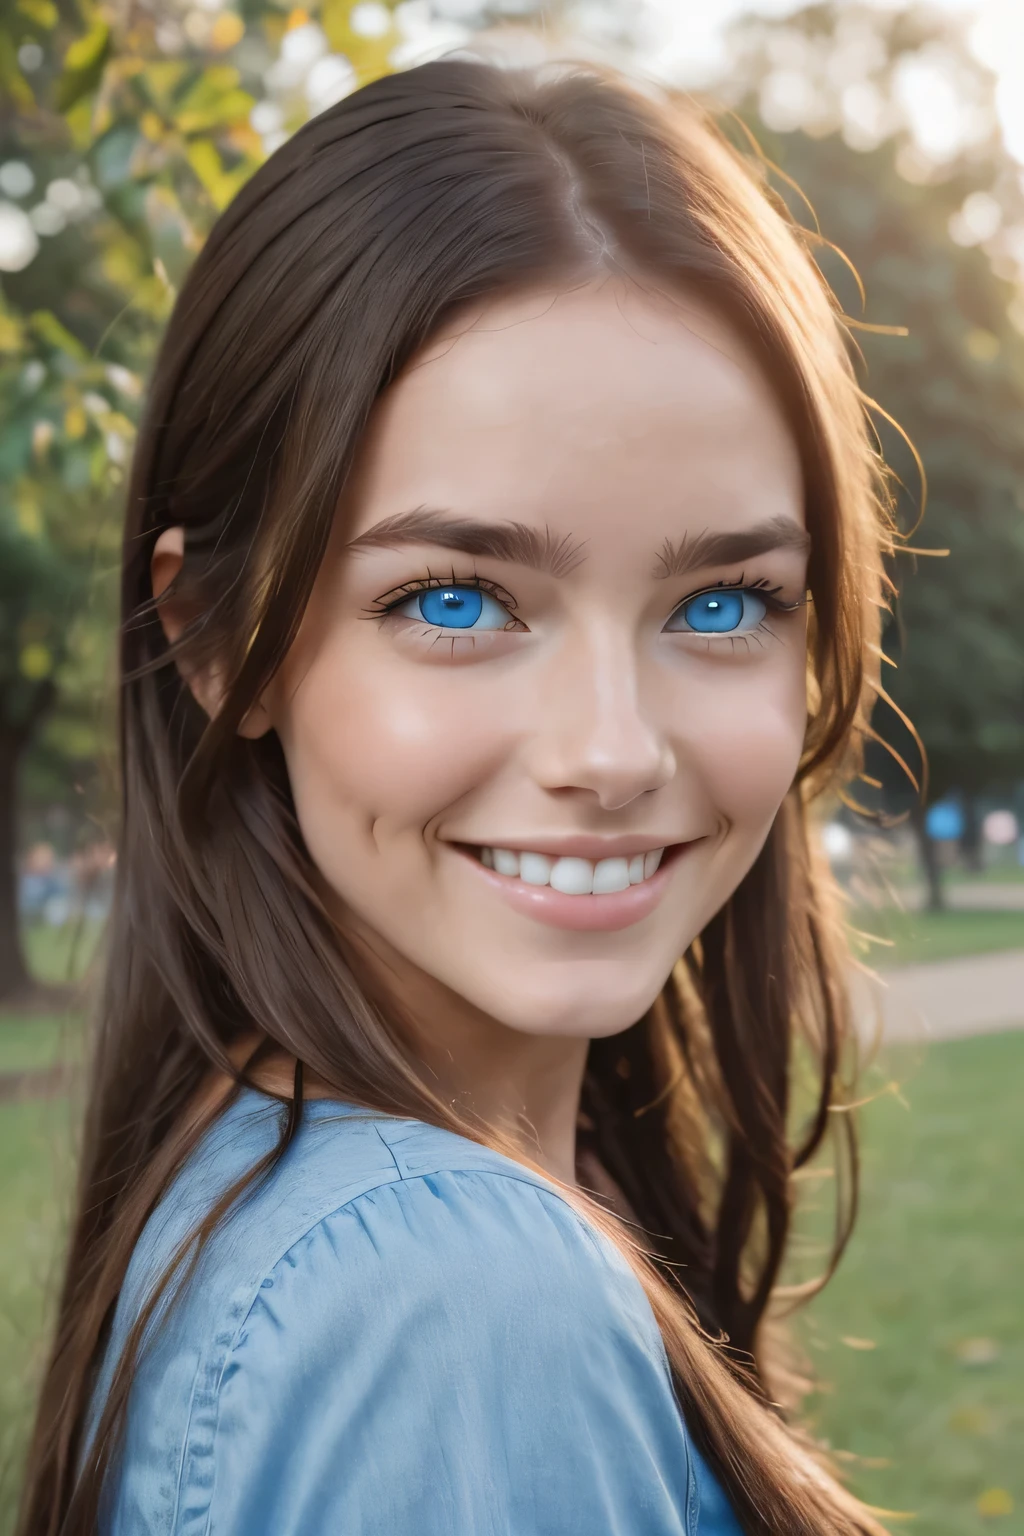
x=399, y=1333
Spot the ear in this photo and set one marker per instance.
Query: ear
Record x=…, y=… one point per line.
x=206, y=684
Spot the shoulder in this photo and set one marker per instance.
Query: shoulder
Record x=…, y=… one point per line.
x=461, y=1249
x=462, y=1344
x=410, y=1195
x=399, y=1301
x=375, y=1218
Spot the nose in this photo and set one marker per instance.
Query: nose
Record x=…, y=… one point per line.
x=594, y=735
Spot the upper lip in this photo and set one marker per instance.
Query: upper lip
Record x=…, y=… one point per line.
x=580, y=846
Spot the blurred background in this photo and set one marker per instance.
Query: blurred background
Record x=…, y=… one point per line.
x=897, y=131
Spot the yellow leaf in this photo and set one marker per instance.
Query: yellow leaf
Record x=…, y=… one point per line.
x=10, y=334
x=79, y=121
x=27, y=512
x=120, y=265
x=995, y=1502
x=29, y=520
x=35, y=662
x=84, y=63
x=205, y=161
x=75, y=421
x=85, y=50
x=368, y=54
x=213, y=82
x=152, y=127
x=227, y=30
x=215, y=98
x=220, y=184
x=334, y=20
x=42, y=12
x=968, y=1421
x=232, y=107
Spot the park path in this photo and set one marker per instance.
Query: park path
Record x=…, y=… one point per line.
x=965, y=896
x=944, y=999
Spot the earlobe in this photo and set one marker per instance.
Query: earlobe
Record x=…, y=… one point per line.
x=205, y=684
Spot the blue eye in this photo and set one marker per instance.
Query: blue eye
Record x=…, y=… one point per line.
x=456, y=607
x=721, y=611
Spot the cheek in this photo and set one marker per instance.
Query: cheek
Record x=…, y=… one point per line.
x=749, y=745
x=374, y=745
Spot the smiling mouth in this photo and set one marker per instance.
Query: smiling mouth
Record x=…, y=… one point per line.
x=573, y=876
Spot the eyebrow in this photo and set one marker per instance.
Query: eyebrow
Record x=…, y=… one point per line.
x=694, y=553
x=557, y=555
x=539, y=548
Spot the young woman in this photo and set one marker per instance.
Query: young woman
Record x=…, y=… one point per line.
x=501, y=582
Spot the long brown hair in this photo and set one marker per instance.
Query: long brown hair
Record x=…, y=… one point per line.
x=333, y=266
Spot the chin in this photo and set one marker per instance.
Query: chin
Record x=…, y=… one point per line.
x=591, y=1010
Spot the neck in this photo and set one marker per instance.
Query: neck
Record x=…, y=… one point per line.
x=525, y=1087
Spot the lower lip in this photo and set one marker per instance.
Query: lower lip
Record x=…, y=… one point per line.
x=584, y=914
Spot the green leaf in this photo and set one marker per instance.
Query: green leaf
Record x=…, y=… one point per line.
x=161, y=78
x=226, y=109
x=220, y=184
x=84, y=64
x=49, y=329
x=12, y=81
x=215, y=98
x=35, y=662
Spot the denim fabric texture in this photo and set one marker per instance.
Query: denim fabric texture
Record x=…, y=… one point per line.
x=397, y=1333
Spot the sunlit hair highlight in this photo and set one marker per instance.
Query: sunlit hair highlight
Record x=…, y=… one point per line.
x=340, y=259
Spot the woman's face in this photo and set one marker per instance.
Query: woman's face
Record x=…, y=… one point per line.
x=549, y=692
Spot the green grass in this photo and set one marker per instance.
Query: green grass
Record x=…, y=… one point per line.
x=903, y=872
x=1001, y=871
x=57, y=956
x=31, y=1042
x=934, y=1408
x=917, y=936
x=34, y=1172
x=931, y=1411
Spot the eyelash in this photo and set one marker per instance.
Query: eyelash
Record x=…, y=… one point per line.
x=761, y=587
x=382, y=606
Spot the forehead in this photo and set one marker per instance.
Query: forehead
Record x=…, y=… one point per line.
x=600, y=409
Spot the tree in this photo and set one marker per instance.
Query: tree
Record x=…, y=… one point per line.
x=123, y=133
x=936, y=243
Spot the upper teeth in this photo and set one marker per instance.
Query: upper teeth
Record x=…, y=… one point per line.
x=574, y=877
